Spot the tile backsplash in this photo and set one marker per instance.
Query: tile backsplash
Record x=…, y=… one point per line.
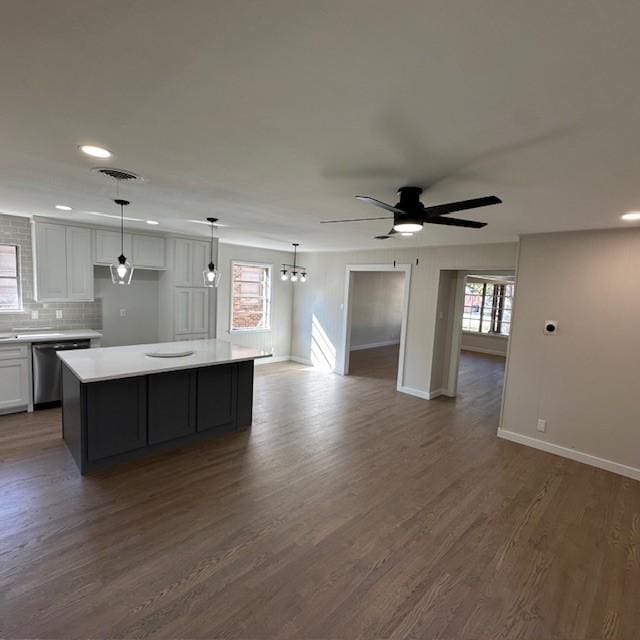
x=75, y=315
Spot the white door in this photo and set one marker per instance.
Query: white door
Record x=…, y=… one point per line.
x=109, y=247
x=182, y=263
x=182, y=311
x=79, y=264
x=51, y=262
x=199, y=310
x=148, y=251
x=14, y=385
x=199, y=262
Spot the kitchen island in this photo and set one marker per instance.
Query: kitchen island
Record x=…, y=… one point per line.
x=120, y=403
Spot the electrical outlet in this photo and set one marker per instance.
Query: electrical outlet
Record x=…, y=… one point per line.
x=34, y=314
x=123, y=313
x=542, y=425
x=58, y=314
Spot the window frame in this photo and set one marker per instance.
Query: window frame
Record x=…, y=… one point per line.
x=18, y=278
x=250, y=263
x=492, y=310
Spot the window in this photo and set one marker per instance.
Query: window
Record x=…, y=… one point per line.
x=487, y=307
x=250, y=296
x=10, y=298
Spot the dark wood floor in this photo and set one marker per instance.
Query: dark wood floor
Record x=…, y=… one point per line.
x=349, y=511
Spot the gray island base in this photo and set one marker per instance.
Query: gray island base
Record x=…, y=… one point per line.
x=119, y=404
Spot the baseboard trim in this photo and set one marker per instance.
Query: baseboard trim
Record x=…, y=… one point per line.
x=272, y=359
x=374, y=345
x=572, y=454
x=491, y=352
x=300, y=360
x=418, y=393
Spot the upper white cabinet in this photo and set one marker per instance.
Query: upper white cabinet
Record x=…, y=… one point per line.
x=190, y=259
x=142, y=251
x=109, y=247
x=63, y=265
x=191, y=311
x=148, y=252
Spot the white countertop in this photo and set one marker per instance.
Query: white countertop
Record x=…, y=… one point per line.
x=47, y=335
x=109, y=363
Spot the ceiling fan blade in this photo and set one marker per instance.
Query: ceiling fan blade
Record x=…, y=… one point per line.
x=353, y=220
x=462, y=205
x=378, y=203
x=381, y=237
x=455, y=222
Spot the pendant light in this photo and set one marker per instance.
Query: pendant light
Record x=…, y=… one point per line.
x=122, y=270
x=298, y=272
x=211, y=275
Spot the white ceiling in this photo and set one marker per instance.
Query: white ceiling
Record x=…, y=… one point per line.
x=273, y=115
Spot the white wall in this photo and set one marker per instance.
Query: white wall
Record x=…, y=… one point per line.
x=278, y=339
x=376, y=308
x=318, y=311
x=140, y=299
x=585, y=381
x=484, y=343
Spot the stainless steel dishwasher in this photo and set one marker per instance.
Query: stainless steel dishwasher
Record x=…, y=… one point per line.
x=47, y=369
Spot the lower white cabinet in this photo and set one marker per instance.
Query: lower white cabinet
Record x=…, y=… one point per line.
x=15, y=379
x=191, y=311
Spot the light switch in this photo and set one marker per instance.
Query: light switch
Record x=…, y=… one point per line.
x=123, y=313
x=542, y=425
x=58, y=314
x=34, y=314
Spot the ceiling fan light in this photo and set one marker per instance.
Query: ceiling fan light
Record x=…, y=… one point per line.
x=407, y=226
x=406, y=233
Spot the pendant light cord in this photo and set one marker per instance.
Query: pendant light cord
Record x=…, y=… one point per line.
x=122, y=229
x=211, y=246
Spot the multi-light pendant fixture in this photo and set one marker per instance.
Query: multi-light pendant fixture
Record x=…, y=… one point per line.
x=122, y=270
x=211, y=275
x=298, y=272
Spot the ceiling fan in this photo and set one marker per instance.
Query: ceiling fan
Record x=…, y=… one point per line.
x=409, y=214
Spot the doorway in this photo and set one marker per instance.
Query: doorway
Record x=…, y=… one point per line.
x=477, y=308
x=374, y=321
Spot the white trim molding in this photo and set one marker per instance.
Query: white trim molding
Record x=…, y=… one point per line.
x=300, y=360
x=572, y=454
x=374, y=345
x=271, y=360
x=418, y=393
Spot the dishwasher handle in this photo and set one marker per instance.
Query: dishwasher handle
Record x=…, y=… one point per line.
x=61, y=346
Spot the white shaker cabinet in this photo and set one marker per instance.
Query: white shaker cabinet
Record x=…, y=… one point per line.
x=63, y=265
x=190, y=259
x=109, y=247
x=148, y=252
x=15, y=384
x=191, y=311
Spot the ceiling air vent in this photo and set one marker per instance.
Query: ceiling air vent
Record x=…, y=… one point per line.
x=118, y=174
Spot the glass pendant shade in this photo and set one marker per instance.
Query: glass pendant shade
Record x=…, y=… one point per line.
x=284, y=275
x=303, y=277
x=121, y=271
x=211, y=276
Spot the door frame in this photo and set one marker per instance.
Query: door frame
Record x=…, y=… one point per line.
x=342, y=365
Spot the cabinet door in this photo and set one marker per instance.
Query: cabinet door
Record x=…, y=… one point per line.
x=199, y=311
x=216, y=396
x=109, y=247
x=51, y=262
x=148, y=251
x=182, y=311
x=14, y=385
x=79, y=264
x=182, y=262
x=172, y=405
x=116, y=417
x=199, y=262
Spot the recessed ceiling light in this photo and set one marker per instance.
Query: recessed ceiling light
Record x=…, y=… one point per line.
x=63, y=207
x=95, y=152
x=152, y=222
x=631, y=215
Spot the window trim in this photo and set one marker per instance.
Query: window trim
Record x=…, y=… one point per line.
x=251, y=263
x=20, y=307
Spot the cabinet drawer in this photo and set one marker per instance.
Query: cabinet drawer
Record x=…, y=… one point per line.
x=14, y=352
